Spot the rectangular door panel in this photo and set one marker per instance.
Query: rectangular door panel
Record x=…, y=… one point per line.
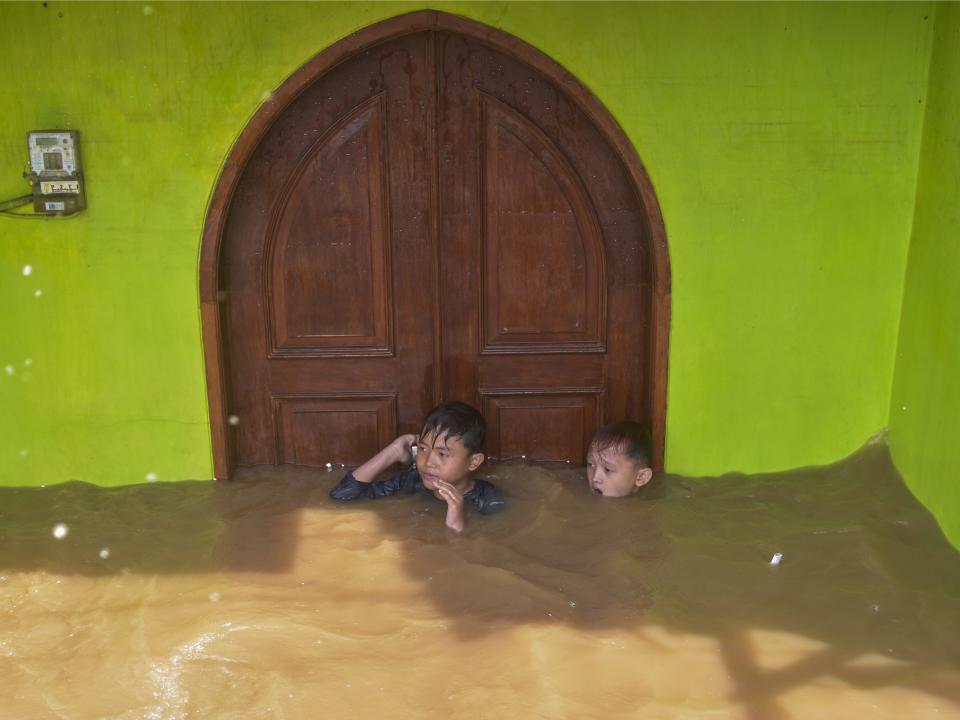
x=349, y=429
x=544, y=426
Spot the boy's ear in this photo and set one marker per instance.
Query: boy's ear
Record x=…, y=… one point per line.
x=643, y=476
x=476, y=460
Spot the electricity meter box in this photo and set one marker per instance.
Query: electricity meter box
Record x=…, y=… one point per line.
x=55, y=173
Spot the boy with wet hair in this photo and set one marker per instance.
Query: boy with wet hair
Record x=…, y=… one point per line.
x=618, y=459
x=448, y=449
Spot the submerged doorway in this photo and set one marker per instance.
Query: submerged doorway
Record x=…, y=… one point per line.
x=431, y=210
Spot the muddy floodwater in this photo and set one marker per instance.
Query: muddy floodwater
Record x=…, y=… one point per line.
x=262, y=598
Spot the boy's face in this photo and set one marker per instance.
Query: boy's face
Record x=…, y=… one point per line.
x=441, y=457
x=610, y=473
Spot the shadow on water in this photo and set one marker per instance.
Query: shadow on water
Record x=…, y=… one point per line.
x=865, y=570
x=156, y=528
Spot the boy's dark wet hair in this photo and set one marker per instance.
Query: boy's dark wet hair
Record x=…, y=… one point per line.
x=457, y=420
x=627, y=437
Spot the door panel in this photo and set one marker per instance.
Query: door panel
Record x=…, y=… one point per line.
x=339, y=420
x=543, y=284
x=542, y=425
x=330, y=244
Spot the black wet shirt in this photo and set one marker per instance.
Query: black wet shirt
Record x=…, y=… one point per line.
x=483, y=496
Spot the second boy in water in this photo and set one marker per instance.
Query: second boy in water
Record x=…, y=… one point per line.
x=618, y=459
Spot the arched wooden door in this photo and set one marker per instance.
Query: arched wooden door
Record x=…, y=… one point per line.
x=431, y=210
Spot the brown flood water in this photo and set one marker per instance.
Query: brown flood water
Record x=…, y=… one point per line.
x=262, y=598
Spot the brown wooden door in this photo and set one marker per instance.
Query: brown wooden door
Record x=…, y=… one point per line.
x=432, y=219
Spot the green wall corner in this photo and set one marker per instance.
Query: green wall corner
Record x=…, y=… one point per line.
x=926, y=389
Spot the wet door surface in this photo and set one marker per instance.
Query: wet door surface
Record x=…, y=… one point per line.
x=431, y=220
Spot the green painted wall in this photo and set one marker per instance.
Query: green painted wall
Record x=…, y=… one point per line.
x=782, y=140
x=926, y=390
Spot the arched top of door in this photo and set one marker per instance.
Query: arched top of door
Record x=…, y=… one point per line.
x=403, y=25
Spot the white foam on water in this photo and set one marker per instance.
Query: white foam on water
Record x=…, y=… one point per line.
x=173, y=699
x=27, y=270
x=233, y=420
x=60, y=531
x=150, y=477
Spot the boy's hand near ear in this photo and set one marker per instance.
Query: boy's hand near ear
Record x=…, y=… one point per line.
x=401, y=447
x=397, y=451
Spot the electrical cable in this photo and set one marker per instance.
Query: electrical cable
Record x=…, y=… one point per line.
x=5, y=206
x=25, y=216
x=15, y=202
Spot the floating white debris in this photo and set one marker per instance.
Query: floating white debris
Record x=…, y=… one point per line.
x=904, y=407
x=38, y=292
x=104, y=553
x=214, y=597
x=777, y=557
x=27, y=270
x=329, y=466
x=523, y=457
x=150, y=477
x=28, y=362
x=60, y=531
x=9, y=369
x=233, y=420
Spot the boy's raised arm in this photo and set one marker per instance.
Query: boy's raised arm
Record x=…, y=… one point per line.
x=396, y=452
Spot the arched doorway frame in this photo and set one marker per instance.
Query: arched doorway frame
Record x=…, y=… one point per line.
x=217, y=211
